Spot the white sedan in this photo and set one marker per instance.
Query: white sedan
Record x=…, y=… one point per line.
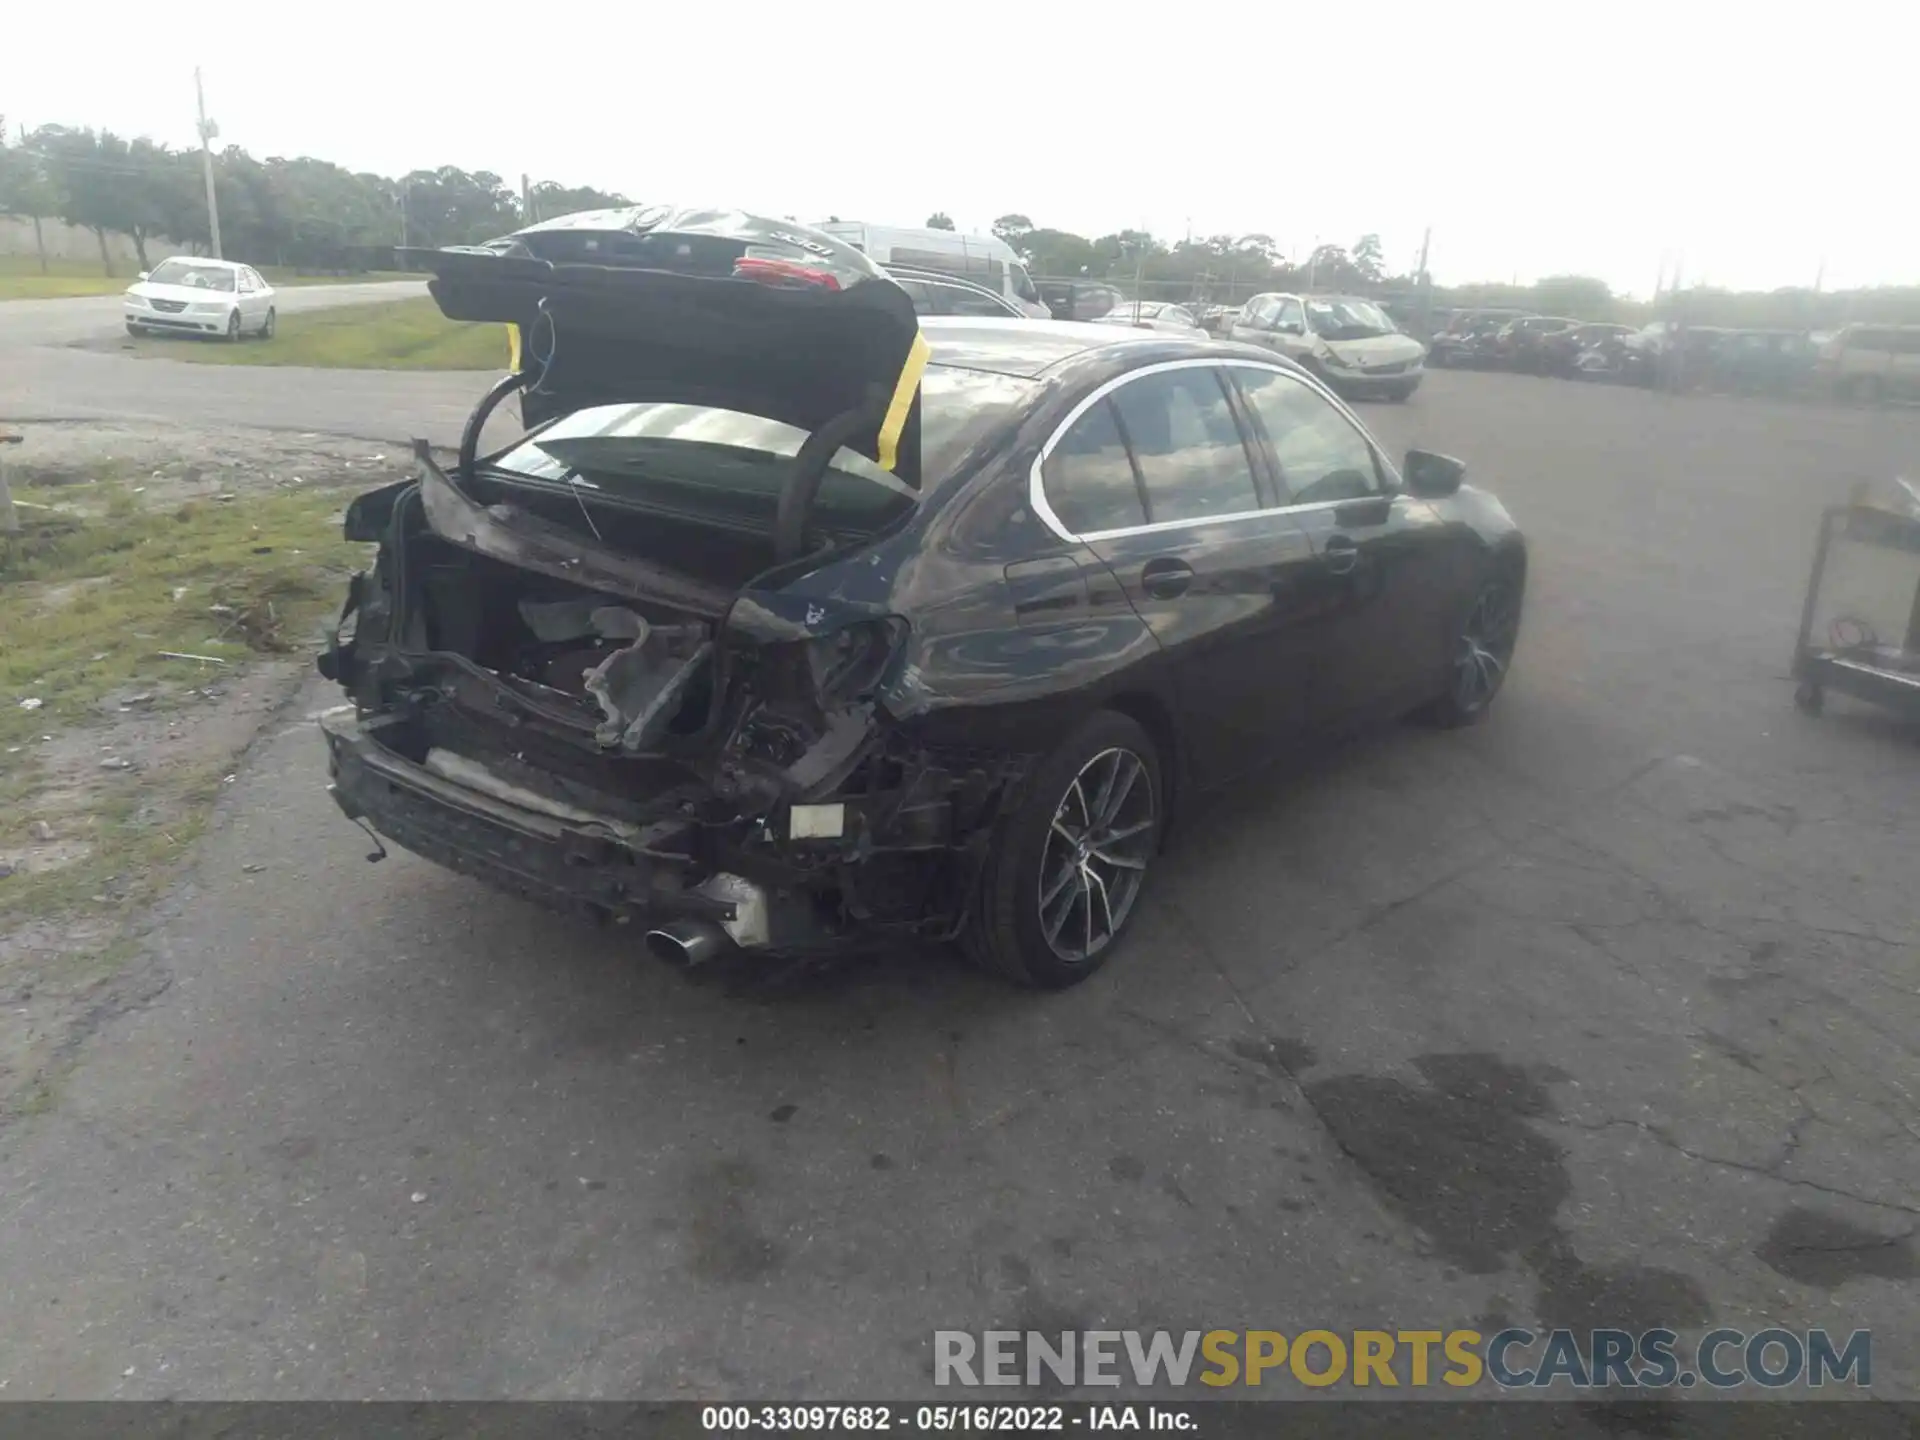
x=1153, y=315
x=197, y=296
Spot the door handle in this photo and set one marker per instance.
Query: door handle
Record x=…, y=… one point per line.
x=1341, y=555
x=1166, y=579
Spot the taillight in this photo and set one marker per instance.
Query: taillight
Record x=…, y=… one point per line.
x=784, y=274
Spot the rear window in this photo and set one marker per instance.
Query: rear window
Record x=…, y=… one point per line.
x=729, y=466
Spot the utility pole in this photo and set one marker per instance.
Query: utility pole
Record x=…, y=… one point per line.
x=527, y=217
x=1426, y=285
x=207, y=131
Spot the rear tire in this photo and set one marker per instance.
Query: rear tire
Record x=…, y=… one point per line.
x=1067, y=868
x=267, y=326
x=233, y=327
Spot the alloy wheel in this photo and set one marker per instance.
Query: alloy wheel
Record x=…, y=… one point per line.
x=1098, y=847
x=1485, y=648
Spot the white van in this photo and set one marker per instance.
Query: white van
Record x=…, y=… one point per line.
x=984, y=259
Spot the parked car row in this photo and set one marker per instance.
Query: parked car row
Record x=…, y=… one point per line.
x=1856, y=362
x=1514, y=340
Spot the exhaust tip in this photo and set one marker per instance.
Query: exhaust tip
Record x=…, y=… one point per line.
x=686, y=944
x=663, y=945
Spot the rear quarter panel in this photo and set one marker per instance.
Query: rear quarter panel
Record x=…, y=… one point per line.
x=1016, y=635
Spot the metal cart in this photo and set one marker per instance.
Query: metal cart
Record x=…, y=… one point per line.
x=1860, y=625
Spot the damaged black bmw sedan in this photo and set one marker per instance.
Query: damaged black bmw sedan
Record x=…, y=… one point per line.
x=793, y=622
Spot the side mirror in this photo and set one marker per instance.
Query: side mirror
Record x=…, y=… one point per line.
x=1431, y=476
x=142, y=275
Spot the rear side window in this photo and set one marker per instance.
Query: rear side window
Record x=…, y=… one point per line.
x=966, y=302
x=1188, y=446
x=1089, y=480
x=1321, y=455
x=926, y=298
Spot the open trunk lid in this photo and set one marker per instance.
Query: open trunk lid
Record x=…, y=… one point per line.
x=702, y=307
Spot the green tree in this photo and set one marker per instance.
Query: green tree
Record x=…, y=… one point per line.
x=1058, y=253
x=551, y=199
x=1331, y=268
x=1014, y=229
x=91, y=177
x=449, y=206
x=939, y=220
x=25, y=191
x=1578, y=297
x=1369, y=258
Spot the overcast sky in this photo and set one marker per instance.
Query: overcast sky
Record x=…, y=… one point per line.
x=1534, y=138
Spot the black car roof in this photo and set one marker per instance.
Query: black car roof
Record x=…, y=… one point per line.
x=1029, y=348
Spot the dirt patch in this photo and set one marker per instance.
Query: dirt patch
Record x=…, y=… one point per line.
x=125, y=705
x=48, y=598
x=60, y=464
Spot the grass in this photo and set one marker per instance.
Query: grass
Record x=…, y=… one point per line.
x=227, y=580
x=209, y=578
x=20, y=278
x=390, y=335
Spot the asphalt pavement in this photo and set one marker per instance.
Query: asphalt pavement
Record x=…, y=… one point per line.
x=1600, y=1013
x=53, y=367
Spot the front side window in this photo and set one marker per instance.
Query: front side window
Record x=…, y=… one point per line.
x=1089, y=479
x=1321, y=455
x=1291, y=315
x=1023, y=284
x=1187, y=444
